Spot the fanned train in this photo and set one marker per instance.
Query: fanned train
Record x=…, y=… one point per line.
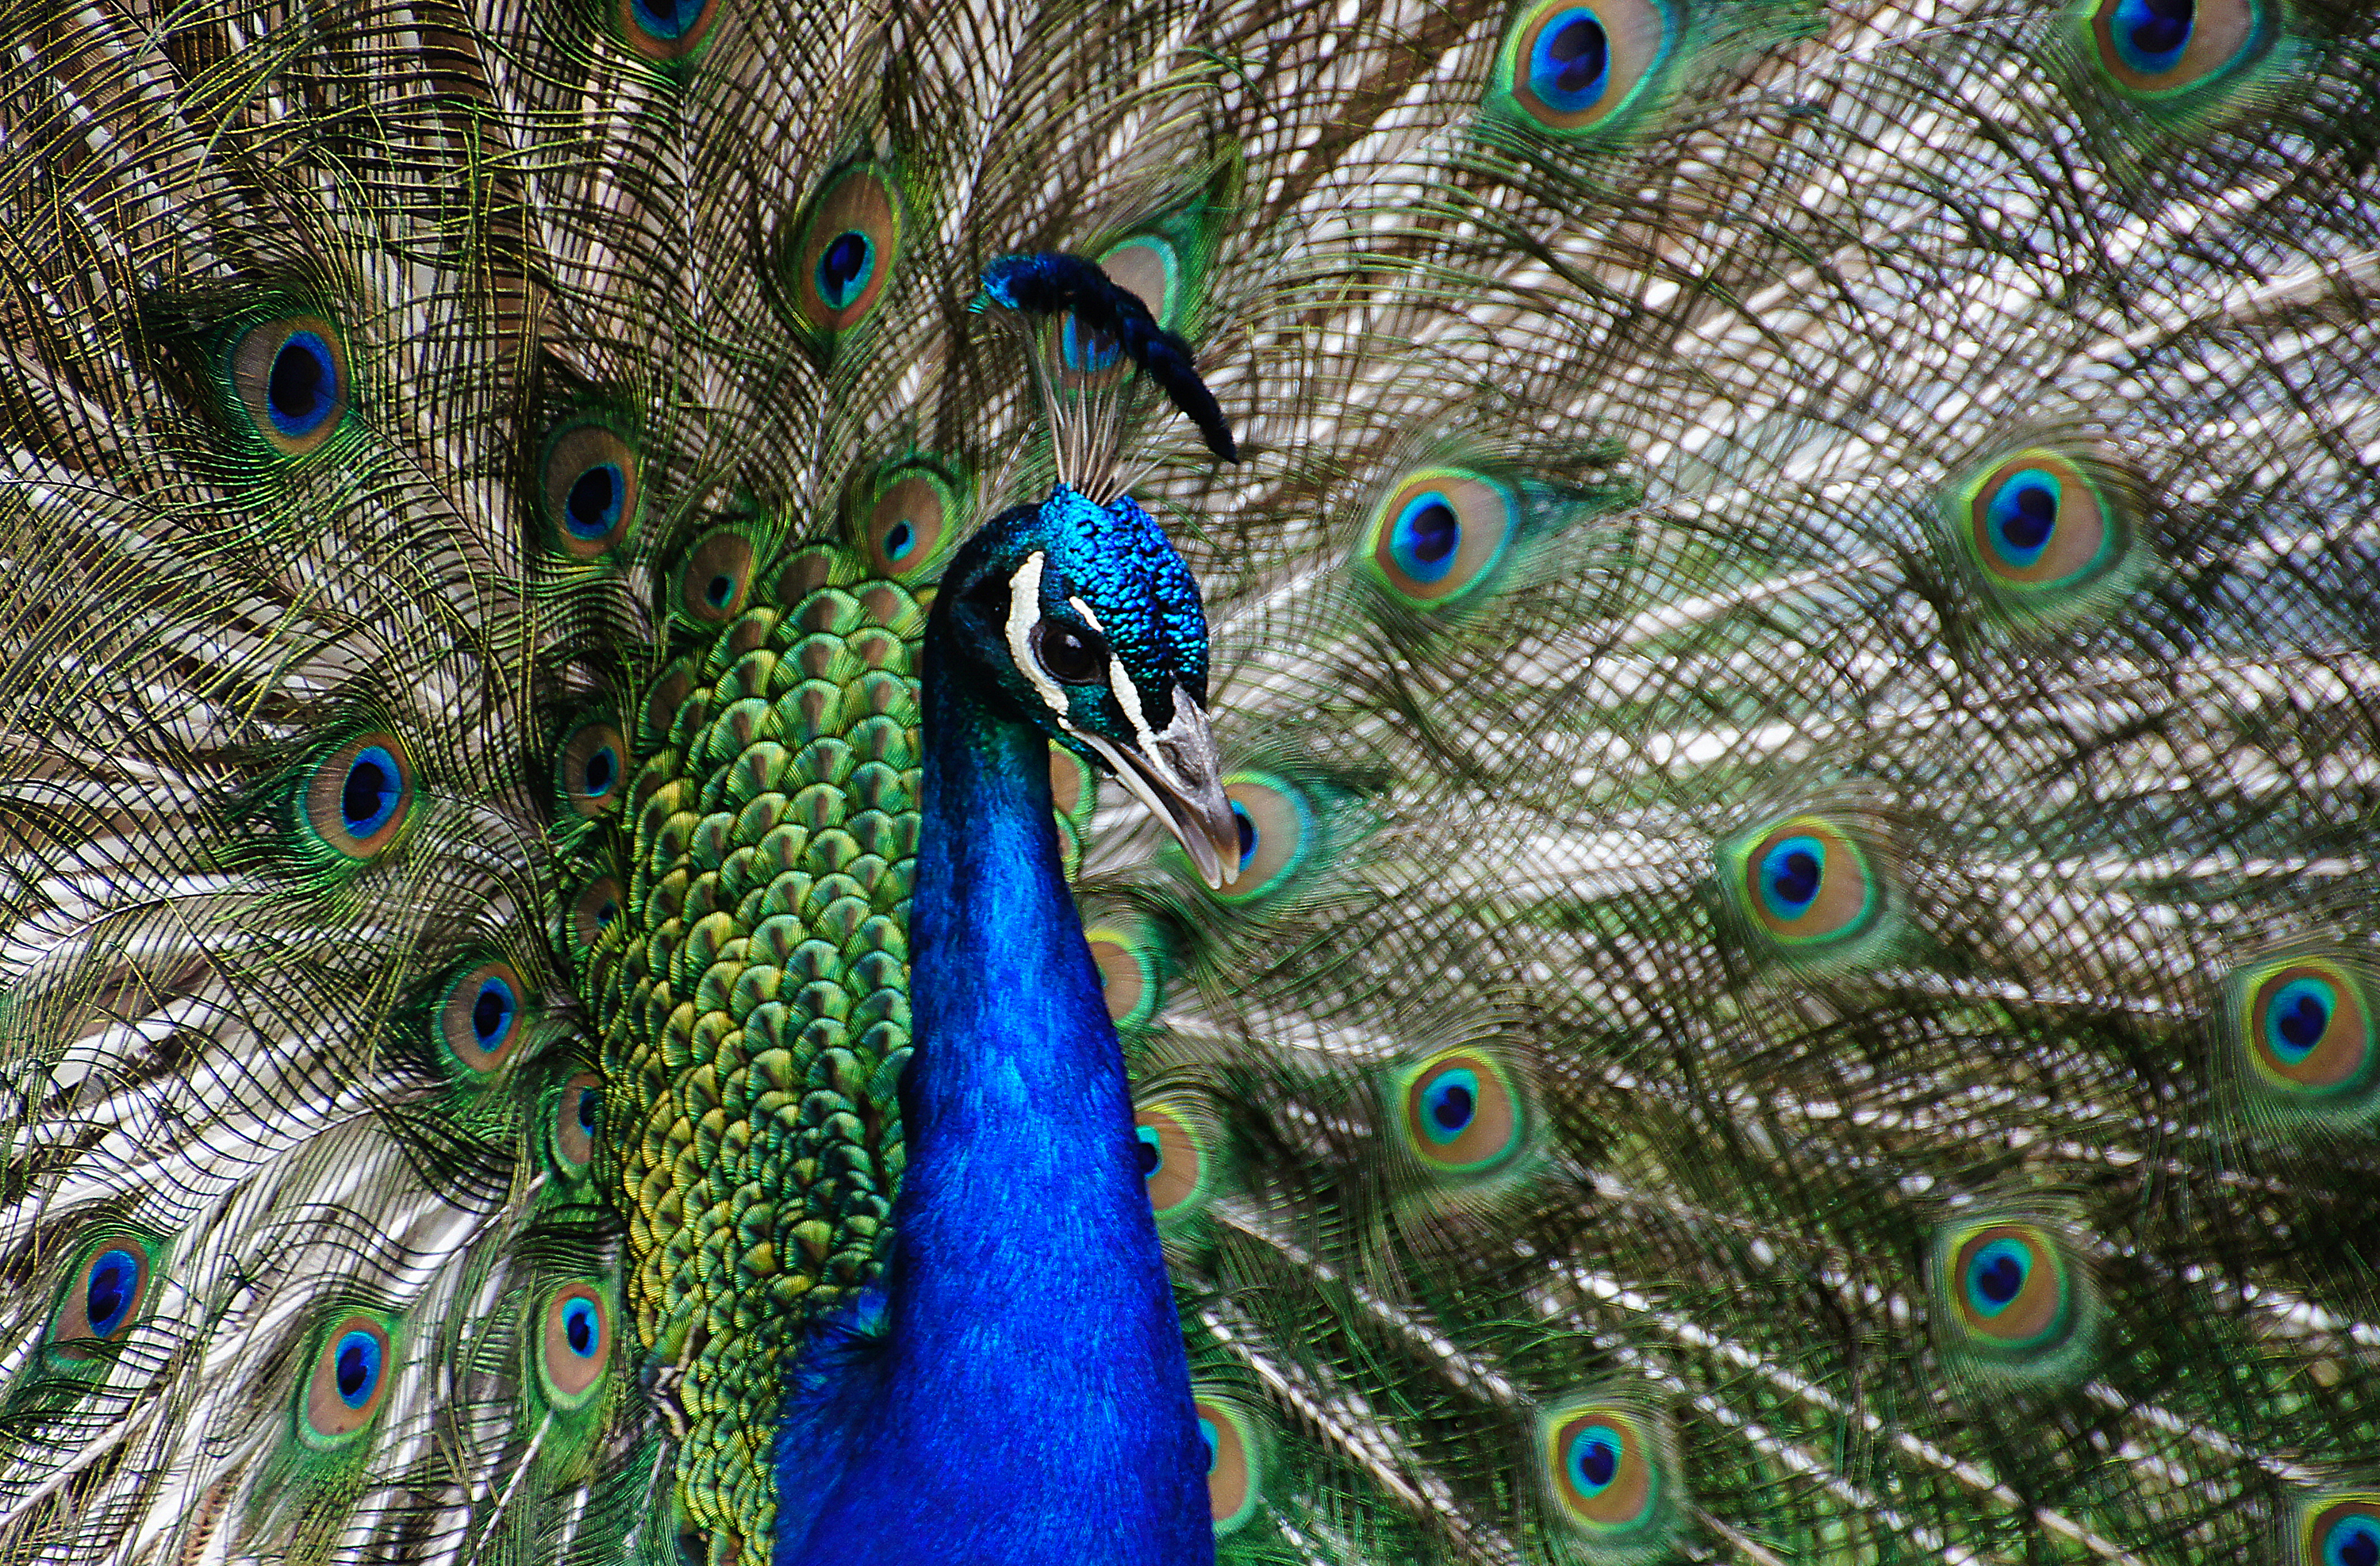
x=1723, y=909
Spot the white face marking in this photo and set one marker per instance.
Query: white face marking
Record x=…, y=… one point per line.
x=1023, y=614
x=1126, y=694
x=1128, y=697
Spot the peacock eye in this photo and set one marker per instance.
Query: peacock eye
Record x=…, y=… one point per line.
x=577, y=1343
x=1066, y=655
x=1172, y=1153
x=1234, y=1450
x=479, y=1021
x=102, y=1299
x=2340, y=1530
x=1612, y=1473
x=349, y=1381
x=2013, y=1302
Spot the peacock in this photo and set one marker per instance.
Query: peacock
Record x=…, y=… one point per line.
x=1558, y=781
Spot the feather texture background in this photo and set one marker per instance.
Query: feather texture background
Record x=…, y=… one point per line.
x=1795, y=643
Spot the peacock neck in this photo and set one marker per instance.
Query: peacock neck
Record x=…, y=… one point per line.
x=1009, y=1011
x=1034, y=1403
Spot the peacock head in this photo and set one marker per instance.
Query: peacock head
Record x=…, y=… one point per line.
x=1082, y=621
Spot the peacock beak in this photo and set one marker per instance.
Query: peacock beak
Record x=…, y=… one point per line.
x=1173, y=771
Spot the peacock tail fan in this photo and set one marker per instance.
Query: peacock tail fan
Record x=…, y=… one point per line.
x=1792, y=645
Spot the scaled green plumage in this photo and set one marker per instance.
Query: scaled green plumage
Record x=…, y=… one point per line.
x=757, y=981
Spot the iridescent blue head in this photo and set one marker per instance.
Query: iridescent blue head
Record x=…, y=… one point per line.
x=1082, y=621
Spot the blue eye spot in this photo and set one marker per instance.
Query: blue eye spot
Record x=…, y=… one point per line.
x=578, y=1341
x=1594, y=1459
x=596, y=498
x=109, y=1291
x=1247, y=830
x=1149, y=1150
x=1448, y=1104
x=667, y=18
x=900, y=541
x=356, y=1368
x=302, y=390
x=588, y=1106
x=1570, y=65
x=2351, y=1541
x=1425, y=537
x=368, y=798
x=1997, y=1276
x=1441, y=536
x=1214, y=1443
x=1087, y=351
x=2022, y=516
x=2297, y=1018
x=1791, y=874
x=491, y=1014
x=2152, y=34
x=579, y=1327
x=602, y=771
x=844, y=266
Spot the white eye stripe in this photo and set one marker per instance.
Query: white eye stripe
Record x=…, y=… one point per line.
x=1023, y=614
x=1089, y=618
x=1127, y=697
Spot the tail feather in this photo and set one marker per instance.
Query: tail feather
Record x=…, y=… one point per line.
x=1730, y=934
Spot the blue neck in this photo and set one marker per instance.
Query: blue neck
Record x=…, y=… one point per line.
x=1032, y=1402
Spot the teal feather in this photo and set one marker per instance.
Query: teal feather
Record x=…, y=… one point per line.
x=474, y=481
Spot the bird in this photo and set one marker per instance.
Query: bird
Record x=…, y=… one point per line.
x=1658, y=715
